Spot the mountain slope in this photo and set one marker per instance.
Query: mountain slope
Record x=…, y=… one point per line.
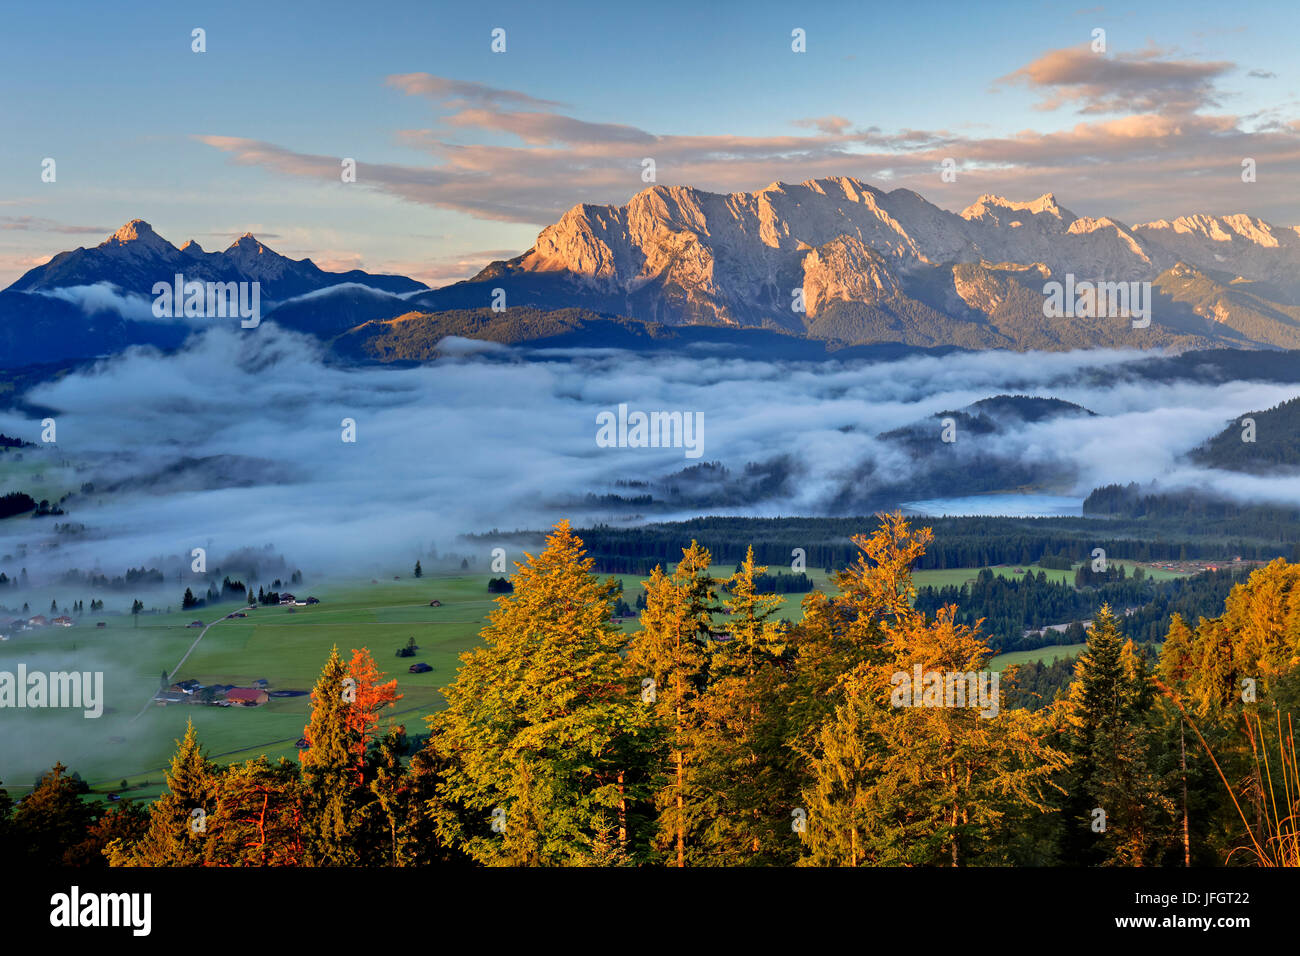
x=135, y=257
x=868, y=266
x=98, y=300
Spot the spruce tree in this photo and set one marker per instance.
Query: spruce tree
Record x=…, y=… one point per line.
x=51, y=819
x=332, y=769
x=539, y=740
x=744, y=774
x=671, y=650
x=1112, y=742
x=176, y=835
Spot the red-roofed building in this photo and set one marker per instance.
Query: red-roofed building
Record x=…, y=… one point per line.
x=247, y=696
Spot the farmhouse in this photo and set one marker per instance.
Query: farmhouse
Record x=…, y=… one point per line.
x=247, y=696
x=38, y=621
x=62, y=621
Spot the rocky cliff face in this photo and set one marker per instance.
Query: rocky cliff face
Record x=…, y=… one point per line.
x=680, y=255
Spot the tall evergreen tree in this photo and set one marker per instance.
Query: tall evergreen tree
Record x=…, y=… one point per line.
x=1112, y=742
x=940, y=780
x=744, y=773
x=52, y=818
x=671, y=650
x=541, y=732
x=332, y=767
x=176, y=835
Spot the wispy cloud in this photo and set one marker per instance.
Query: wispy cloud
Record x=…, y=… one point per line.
x=462, y=92
x=1136, y=165
x=1145, y=81
x=37, y=224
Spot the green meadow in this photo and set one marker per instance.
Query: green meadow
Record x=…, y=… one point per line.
x=134, y=740
x=1046, y=655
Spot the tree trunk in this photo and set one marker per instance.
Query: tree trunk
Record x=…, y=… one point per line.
x=622, y=812
x=1182, y=749
x=681, y=835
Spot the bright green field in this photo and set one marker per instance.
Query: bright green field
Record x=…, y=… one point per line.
x=288, y=647
x=959, y=576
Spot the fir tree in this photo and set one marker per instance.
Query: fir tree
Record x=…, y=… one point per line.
x=541, y=727
x=332, y=767
x=176, y=836
x=52, y=818
x=1111, y=741
x=671, y=650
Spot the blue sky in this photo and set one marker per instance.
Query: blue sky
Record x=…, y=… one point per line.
x=248, y=135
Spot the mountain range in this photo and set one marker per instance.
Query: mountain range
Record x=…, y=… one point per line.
x=92, y=301
x=834, y=261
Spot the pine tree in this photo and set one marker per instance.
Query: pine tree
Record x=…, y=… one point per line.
x=1112, y=741
x=744, y=769
x=418, y=570
x=937, y=781
x=1176, y=654
x=671, y=650
x=176, y=836
x=332, y=768
x=841, y=631
x=51, y=819
x=540, y=733
x=260, y=816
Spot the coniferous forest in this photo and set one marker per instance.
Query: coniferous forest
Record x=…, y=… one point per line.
x=716, y=734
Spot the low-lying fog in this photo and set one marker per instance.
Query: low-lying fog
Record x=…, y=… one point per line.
x=237, y=442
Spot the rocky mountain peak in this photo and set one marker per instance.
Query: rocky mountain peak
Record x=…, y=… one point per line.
x=138, y=237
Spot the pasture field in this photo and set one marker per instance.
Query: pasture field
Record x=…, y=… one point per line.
x=1045, y=654
x=287, y=647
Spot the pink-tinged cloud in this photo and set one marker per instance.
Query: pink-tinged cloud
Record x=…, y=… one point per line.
x=542, y=128
x=1146, y=164
x=830, y=125
x=462, y=92
x=1141, y=82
